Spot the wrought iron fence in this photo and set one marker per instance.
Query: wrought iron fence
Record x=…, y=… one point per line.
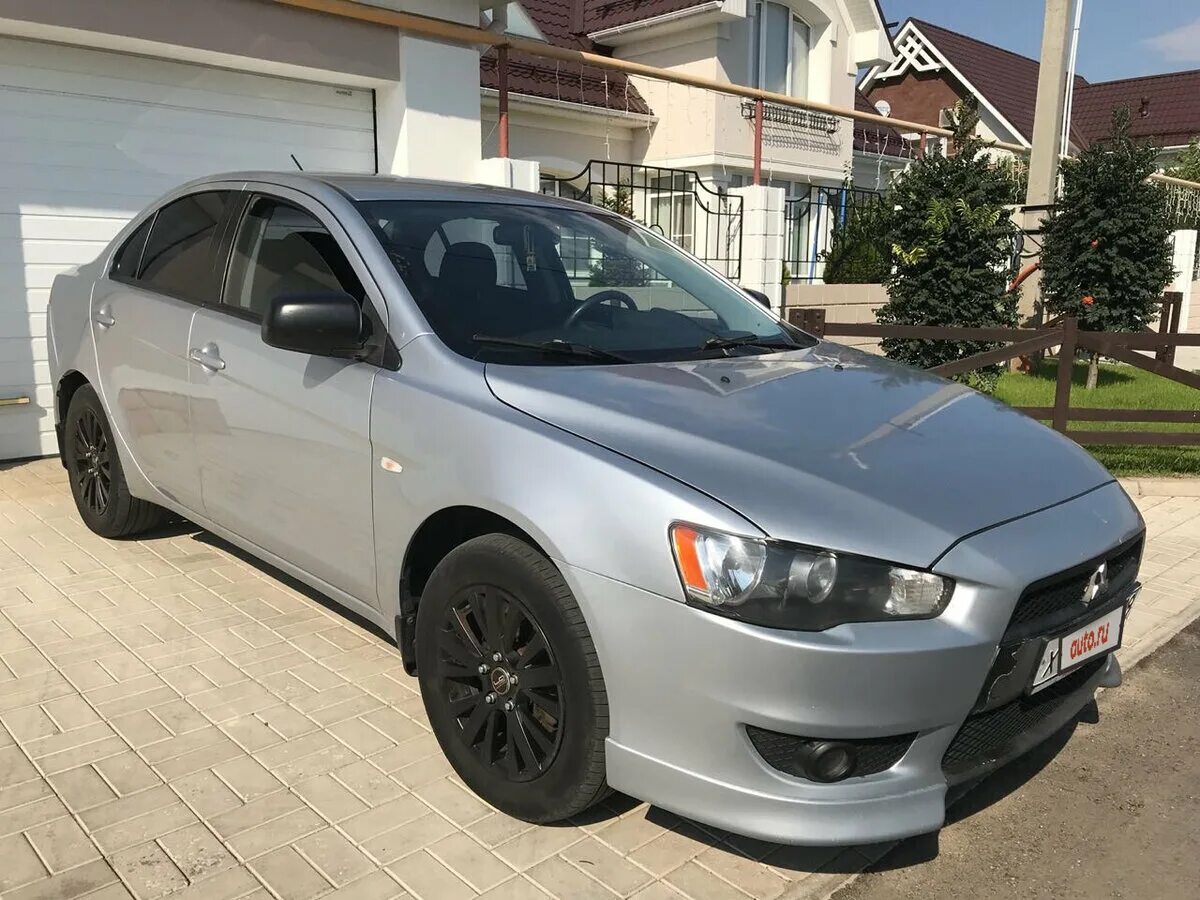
x=676, y=203
x=809, y=223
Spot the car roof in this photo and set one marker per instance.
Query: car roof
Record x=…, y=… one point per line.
x=392, y=187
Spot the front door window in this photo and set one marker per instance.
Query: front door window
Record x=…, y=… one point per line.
x=282, y=249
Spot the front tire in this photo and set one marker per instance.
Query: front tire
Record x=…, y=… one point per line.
x=511, y=680
x=97, y=480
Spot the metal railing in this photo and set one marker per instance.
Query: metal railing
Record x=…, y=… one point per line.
x=810, y=220
x=676, y=203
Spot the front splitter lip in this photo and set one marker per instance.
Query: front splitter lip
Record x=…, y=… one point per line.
x=834, y=819
x=773, y=817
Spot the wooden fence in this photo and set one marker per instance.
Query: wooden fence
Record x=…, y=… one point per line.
x=1067, y=336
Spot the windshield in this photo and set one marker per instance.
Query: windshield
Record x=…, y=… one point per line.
x=545, y=285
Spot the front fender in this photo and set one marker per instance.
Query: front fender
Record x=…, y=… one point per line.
x=457, y=445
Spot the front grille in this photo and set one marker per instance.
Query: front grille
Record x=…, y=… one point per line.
x=1055, y=601
x=990, y=735
x=783, y=751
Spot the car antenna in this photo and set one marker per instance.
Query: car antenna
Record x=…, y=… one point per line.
x=297, y=162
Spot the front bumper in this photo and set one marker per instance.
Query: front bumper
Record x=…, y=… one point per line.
x=684, y=685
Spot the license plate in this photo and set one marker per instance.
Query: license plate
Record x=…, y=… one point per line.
x=1063, y=654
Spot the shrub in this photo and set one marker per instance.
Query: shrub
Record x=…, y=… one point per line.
x=952, y=242
x=860, y=249
x=1106, y=255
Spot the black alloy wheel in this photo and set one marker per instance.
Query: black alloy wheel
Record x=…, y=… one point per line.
x=511, y=679
x=98, y=482
x=501, y=682
x=92, y=458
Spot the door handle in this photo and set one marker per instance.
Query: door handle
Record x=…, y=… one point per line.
x=208, y=356
x=103, y=317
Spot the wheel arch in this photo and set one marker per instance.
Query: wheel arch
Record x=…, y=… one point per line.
x=70, y=382
x=439, y=534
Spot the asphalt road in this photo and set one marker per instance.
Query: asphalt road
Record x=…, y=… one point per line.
x=1113, y=811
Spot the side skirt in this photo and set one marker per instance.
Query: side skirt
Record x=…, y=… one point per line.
x=366, y=610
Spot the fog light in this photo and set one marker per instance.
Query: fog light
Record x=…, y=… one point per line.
x=829, y=761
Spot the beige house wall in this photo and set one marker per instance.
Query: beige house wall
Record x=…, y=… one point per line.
x=686, y=126
x=704, y=129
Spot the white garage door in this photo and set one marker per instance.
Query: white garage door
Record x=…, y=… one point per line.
x=88, y=138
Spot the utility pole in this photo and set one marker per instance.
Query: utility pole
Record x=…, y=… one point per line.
x=1047, y=128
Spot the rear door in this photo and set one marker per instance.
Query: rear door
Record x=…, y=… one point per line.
x=141, y=319
x=282, y=438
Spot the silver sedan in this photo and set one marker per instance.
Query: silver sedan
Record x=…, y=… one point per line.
x=627, y=527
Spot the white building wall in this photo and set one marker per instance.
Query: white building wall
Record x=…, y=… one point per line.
x=560, y=139
x=1184, y=260
x=762, y=242
x=428, y=121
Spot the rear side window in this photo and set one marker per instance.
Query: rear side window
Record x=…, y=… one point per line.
x=128, y=260
x=180, y=254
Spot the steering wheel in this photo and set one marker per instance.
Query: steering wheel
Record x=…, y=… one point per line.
x=595, y=300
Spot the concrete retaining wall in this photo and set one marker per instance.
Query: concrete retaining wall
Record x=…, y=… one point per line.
x=842, y=303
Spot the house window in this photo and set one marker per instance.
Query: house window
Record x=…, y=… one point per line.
x=779, y=48
x=672, y=199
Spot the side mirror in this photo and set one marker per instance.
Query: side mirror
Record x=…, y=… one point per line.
x=320, y=324
x=759, y=296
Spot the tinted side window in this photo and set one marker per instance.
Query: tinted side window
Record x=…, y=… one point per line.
x=129, y=258
x=179, y=258
x=282, y=249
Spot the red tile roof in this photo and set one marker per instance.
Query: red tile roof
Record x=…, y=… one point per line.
x=872, y=138
x=1164, y=109
x=1007, y=80
x=537, y=77
x=601, y=14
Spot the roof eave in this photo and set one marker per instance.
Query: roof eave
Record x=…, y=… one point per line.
x=667, y=23
x=572, y=109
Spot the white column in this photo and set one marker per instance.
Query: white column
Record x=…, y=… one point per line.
x=1184, y=261
x=522, y=174
x=762, y=240
x=428, y=122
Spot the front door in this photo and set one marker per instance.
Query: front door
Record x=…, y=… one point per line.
x=141, y=319
x=282, y=438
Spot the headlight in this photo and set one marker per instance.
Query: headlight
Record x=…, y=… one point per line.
x=784, y=586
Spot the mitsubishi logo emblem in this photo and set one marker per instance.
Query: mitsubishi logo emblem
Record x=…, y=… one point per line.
x=1096, y=584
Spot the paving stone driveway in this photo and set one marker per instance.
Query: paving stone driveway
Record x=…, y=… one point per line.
x=177, y=718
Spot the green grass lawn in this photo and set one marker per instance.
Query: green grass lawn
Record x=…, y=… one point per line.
x=1119, y=387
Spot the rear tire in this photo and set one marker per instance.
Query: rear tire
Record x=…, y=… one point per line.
x=497, y=620
x=97, y=480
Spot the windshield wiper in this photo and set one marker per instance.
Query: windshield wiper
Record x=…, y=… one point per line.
x=558, y=346
x=747, y=340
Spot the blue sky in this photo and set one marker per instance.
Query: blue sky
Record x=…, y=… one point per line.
x=1118, y=39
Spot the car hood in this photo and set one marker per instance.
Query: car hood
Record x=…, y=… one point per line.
x=826, y=446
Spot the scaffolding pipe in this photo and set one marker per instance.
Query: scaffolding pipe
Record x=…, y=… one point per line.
x=1069, y=100
x=502, y=121
x=758, y=140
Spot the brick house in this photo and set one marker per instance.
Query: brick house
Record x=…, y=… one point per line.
x=934, y=68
